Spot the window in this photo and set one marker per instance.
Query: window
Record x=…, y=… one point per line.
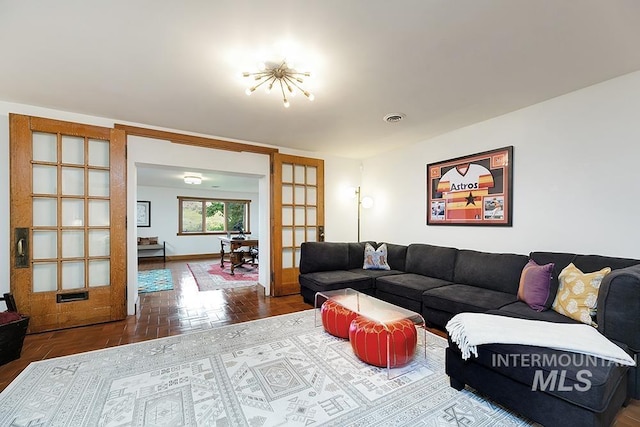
x=217, y=216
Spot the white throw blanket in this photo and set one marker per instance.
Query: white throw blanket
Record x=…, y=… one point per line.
x=469, y=330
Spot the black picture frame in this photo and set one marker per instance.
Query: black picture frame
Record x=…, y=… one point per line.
x=471, y=190
x=143, y=213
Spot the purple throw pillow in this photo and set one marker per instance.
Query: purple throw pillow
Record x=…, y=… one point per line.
x=535, y=284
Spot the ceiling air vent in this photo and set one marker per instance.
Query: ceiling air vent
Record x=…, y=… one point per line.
x=393, y=117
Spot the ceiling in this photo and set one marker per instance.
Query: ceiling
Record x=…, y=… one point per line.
x=171, y=177
x=444, y=64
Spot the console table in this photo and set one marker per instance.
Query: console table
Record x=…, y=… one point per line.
x=236, y=254
x=149, y=251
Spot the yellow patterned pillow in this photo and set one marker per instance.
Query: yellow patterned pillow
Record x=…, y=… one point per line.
x=578, y=293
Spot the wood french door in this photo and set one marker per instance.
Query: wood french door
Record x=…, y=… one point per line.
x=68, y=222
x=297, y=210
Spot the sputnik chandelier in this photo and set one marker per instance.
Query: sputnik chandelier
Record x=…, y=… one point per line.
x=284, y=76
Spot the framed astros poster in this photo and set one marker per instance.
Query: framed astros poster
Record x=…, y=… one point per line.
x=472, y=190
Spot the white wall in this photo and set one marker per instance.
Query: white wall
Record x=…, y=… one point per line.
x=576, y=177
x=164, y=218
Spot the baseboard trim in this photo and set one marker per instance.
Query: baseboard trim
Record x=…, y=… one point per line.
x=192, y=257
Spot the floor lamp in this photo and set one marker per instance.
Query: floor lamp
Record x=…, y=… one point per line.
x=363, y=202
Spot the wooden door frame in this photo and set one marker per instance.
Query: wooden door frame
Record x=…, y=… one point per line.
x=205, y=142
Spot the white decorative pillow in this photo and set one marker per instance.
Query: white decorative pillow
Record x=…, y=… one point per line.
x=375, y=259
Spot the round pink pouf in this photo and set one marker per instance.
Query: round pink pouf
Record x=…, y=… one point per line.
x=369, y=341
x=336, y=319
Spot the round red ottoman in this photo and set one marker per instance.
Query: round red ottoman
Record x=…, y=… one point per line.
x=336, y=319
x=369, y=341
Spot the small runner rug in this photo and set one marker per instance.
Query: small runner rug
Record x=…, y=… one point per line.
x=154, y=280
x=271, y=372
x=210, y=277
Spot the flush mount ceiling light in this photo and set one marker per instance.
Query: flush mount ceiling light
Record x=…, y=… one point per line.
x=281, y=75
x=192, y=179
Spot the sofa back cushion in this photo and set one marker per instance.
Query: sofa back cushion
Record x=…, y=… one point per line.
x=396, y=256
x=324, y=256
x=356, y=254
x=500, y=272
x=431, y=261
x=586, y=263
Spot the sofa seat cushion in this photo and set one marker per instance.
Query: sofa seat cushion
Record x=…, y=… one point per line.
x=463, y=298
x=522, y=310
x=376, y=273
x=408, y=285
x=583, y=380
x=332, y=280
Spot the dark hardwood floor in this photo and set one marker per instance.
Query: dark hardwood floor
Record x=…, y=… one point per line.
x=183, y=309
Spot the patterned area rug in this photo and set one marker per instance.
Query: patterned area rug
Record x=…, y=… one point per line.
x=210, y=277
x=276, y=371
x=155, y=280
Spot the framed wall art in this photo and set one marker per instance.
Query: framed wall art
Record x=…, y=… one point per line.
x=472, y=190
x=143, y=214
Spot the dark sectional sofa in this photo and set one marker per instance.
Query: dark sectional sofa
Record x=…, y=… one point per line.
x=440, y=282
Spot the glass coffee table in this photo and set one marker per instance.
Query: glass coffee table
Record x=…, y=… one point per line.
x=381, y=333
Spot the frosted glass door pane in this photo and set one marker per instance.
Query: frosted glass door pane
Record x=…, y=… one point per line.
x=287, y=194
x=99, y=243
x=45, y=212
x=98, y=183
x=72, y=213
x=287, y=215
x=311, y=234
x=45, y=179
x=297, y=258
x=299, y=174
x=98, y=153
x=45, y=277
x=287, y=258
x=299, y=213
x=45, y=244
x=72, y=244
x=299, y=235
x=72, y=150
x=287, y=173
x=311, y=196
x=299, y=192
x=287, y=237
x=45, y=147
x=72, y=182
x=73, y=275
x=311, y=175
x=312, y=216
x=99, y=273
x=98, y=213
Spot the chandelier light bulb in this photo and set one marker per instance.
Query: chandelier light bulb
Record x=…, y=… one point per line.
x=309, y=95
x=286, y=103
x=249, y=90
x=262, y=66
